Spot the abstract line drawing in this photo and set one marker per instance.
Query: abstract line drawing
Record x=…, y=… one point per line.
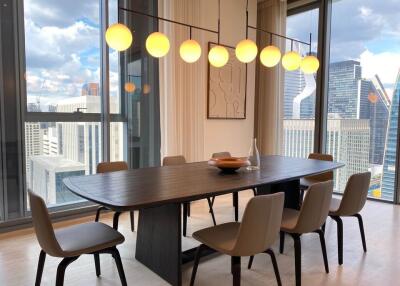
x=227, y=89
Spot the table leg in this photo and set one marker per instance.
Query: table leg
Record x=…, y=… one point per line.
x=290, y=188
x=159, y=242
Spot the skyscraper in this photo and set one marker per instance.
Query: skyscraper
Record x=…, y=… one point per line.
x=389, y=163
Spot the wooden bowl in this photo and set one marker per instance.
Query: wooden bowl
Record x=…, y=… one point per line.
x=229, y=164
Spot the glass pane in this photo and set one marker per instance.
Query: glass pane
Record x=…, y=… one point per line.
x=299, y=95
x=62, y=55
x=115, y=94
x=362, y=96
x=55, y=150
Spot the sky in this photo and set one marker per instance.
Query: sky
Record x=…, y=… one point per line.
x=363, y=30
x=62, y=42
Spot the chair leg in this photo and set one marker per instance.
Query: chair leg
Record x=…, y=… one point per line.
x=115, y=254
x=99, y=209
x=61, y=269
x=323, y=227
x=211, y=210
x=132, y=216
x=236, y=205
x=196, y=263
x=184, y=216
x=255, y=191
x=323, y=247
x=188, y=209
x=339, y=223
x=97, y=264
x=275, y=265
x=212, y=203
x=235, y=269
x=297, y=257
x=39, y=273
x=250, y=262
x=116, y=220
x=360, y=223
x=281, y=241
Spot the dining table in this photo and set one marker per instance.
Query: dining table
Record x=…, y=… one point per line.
x=158, y=193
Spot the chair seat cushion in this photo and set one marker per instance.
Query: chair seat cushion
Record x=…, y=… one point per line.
x=87, y=238
x=289, y=219
x=221, y=237
x=334, y=207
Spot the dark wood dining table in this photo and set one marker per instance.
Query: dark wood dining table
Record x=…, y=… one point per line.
x=158, y=193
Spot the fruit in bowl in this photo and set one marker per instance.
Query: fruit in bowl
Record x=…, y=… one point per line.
x=229, y=164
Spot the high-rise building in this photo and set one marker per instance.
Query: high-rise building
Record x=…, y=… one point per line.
x=90, y=89
x=347, y=141
x=33, y=145
x=389, y=163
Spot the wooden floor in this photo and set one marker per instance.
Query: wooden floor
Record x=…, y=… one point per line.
x=380, y=266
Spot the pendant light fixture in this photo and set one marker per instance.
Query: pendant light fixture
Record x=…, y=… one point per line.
x=291, y=60
x=190, y=50
x=130, y=87
x=270, y=55
x=119, y=37
x=246, y=50
x=310, y=63
x=157, y=44
x=218, y=55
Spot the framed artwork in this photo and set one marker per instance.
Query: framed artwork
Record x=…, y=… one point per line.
x=226, y=98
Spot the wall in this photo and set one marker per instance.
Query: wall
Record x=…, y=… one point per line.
x=183, y=87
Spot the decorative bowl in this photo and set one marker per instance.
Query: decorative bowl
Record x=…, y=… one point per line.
x=229, y=164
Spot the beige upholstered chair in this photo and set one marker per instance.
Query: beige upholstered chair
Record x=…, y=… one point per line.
x=310, y=218
x=352, y=202
x=106, y=167
x=71, y=242
x=180, y=160
x=257, y=232
x=306, y=182
x=235, y=195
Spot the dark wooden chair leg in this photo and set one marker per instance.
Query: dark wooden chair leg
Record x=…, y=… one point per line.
x=339, y=237
x=211, y=210
x=61, y=269
x=297, y=257
x=255, y=191
x=281, y=241
x=188, y=209
x=360, y=223
x=99, y=209
x=323, y=247
x=132, y=216
x=275, y=265
x=250, y=262
x=184, y=216
x=97, y=263
x=235, y=268
x=117, y=257
x=196, y=263
x=212, y=203
x=116, y=220
x=323, y=227
x=39, y=273
x=236, y=205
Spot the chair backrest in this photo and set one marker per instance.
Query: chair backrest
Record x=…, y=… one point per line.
x=355, y=194
x=43, y=227
x=105, y=167
x=324, y=176
x=174, y=160
x=315, y=207
x=221, y=155
x=260, y=224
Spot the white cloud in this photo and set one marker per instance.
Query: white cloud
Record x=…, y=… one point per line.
x=386, y=65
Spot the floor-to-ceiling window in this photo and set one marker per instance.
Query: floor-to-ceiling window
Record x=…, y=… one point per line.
x=300, y=88
x=363, y=92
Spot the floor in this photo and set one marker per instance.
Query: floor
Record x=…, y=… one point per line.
x=380, y=266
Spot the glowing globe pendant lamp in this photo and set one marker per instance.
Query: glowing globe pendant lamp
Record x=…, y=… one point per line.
x=270, y=56
x=246, y=51
x=218, y=56
x=130, y=87
x=190, y=51
x=309, y=65
x=157, y=44
x=119, y=37
x=291, y=60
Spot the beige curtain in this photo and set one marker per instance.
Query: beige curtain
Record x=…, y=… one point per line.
x=182, y=86
x=268, y=124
